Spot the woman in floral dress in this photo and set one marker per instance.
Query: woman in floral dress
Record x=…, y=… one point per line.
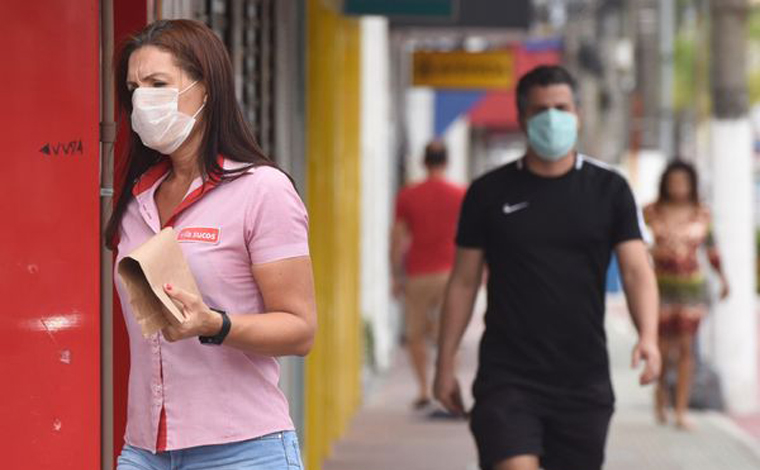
x=681, y=226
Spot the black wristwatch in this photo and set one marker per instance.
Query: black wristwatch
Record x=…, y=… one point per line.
x=219, y=337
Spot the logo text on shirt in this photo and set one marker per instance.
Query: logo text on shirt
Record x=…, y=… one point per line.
x=199, y=234
x=509, y=209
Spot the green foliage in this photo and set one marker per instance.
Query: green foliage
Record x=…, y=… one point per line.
x=691, y=63
x=753, y=24
x=369, y=345
x=754, y=86
x=753, y=33
x=757, y=259
x=684, y=65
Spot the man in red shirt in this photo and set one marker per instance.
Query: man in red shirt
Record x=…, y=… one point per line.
x=422, y=255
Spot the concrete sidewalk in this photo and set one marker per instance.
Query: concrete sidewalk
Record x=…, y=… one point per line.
x=387, y=435
x=750, y=422
x=636, y=442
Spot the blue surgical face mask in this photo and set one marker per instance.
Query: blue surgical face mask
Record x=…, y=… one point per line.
x=552, y=134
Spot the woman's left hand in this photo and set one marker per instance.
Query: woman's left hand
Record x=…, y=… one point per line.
x=199, y=319
x=724, y=289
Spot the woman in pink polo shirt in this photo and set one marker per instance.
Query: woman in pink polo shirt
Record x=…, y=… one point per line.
x=205, y=395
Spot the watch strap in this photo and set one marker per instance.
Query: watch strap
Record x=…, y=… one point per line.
x=219, y=337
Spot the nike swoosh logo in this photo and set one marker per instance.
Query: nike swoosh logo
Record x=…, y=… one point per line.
x=510, y=209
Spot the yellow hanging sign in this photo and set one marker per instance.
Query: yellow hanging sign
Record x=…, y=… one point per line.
x=493, y=69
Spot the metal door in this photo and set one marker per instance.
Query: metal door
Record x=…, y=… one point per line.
x=247, y=28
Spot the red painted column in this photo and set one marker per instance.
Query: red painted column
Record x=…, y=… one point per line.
x=49, y=241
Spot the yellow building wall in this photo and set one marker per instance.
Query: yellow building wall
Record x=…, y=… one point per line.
x=333, y=369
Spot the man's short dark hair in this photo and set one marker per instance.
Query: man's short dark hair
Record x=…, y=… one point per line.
x=543, y=75
x=436, y=154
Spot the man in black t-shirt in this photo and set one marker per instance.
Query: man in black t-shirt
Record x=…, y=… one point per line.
x=546, y=227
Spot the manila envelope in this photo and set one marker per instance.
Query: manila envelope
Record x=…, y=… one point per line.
x=145, y=271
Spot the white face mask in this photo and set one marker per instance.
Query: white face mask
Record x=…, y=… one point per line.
x=157, y=120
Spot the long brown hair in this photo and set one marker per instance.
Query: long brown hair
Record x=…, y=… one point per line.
x=203, y=56
x=691, y=172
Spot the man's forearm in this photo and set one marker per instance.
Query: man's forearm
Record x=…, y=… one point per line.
x=643, y=301
x=398, y=235
x=395, y=258
x=456, y=315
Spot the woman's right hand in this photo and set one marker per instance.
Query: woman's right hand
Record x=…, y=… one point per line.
x=199, y=319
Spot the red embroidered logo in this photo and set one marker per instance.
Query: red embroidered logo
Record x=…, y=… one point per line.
x=199, y=234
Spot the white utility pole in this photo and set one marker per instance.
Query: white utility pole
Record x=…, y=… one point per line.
x=732, y=176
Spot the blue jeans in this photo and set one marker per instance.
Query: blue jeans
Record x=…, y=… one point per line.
x=278, y=451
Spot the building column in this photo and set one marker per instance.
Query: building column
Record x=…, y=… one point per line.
x=377, y=184
x=333, y=179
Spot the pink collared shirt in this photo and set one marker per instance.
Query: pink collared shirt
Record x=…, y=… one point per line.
x=212, y=394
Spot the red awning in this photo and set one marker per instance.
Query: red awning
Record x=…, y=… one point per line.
x=498, y=109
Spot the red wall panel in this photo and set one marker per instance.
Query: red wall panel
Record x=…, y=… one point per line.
x=49, y=242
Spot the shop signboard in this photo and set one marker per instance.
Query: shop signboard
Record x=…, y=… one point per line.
x=464, y=70
x=402, y=8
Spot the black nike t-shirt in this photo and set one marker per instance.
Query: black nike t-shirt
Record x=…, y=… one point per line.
x=547, y=243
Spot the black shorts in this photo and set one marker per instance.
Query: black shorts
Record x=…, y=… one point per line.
x=512, y=421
